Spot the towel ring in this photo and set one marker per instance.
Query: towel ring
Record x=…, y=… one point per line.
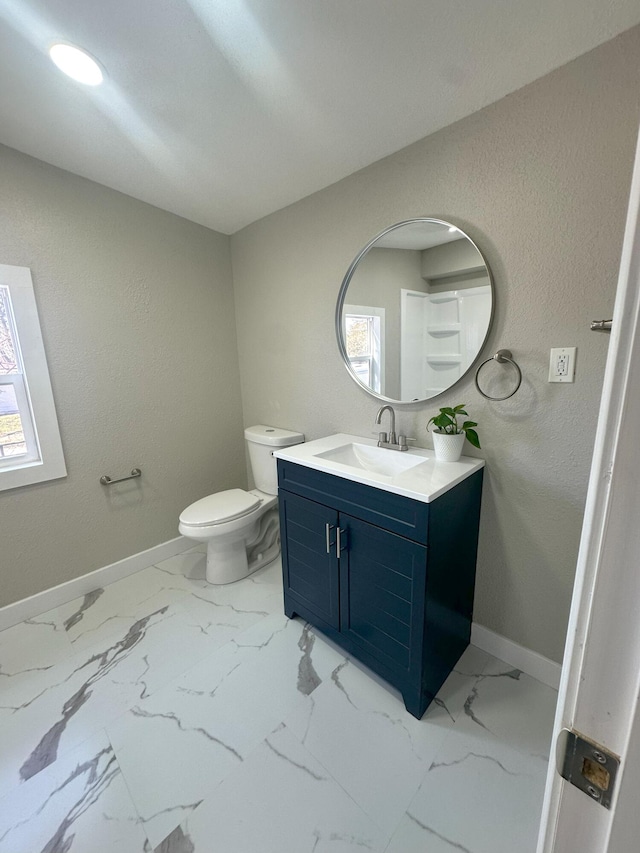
x=501, y=356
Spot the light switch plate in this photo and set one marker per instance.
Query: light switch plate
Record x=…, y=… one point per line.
x=562, y=364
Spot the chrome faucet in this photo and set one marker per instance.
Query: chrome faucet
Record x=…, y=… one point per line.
x=390, y=441
x=391, y=438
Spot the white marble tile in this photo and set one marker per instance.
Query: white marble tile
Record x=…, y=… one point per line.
x=479, y=796
x=41, y=720
x=473, y=661
x=360, y=731
x=30, y=648
x=453, y=694
x=189, y=564
x=260, y=592
x=171, y=761
x=79, y=803
x=72, y=687
x=189, y=679
x=105, y=613
x=252, y=590
x=515, y=708
x=191, y=631
x=209, y=719
x=239, y=608
x=280, y=800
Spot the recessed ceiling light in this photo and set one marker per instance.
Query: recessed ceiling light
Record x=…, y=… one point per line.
x=76, y=63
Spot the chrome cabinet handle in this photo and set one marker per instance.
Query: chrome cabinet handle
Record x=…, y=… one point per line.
x=339, y=541
x=328, y=528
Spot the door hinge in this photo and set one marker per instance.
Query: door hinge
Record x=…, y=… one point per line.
x=587, y=765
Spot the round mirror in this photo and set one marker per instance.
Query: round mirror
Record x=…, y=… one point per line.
x=414, y=310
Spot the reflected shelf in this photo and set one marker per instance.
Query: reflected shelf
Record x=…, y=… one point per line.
x=444, y=329
x=444, y=359
x=437, y=299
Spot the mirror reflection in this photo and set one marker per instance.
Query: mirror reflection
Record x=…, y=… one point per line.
x=414, y=310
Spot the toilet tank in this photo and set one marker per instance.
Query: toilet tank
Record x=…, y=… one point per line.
x=262, y=441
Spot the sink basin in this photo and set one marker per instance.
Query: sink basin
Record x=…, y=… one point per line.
x=413, y=474
x=377, y=460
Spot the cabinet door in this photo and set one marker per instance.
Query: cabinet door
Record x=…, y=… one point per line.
x=309, y=562
x=382, y=584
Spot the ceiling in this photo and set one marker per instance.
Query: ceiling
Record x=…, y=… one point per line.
x=223, y=111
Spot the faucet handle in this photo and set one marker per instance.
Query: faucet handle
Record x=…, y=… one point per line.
x=382, y=438
x=402, y=441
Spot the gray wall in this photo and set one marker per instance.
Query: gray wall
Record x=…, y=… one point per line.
x=136, y=307
x=458, y=259
x=540, y=181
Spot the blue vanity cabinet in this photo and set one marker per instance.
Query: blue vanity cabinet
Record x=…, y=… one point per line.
x=381, y=582
x=388, y=578
x=310, y=569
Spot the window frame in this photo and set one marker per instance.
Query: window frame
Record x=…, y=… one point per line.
x=18, y=383
x=377, y=358
x=36, y=388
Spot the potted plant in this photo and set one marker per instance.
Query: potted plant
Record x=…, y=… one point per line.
x=449, y=435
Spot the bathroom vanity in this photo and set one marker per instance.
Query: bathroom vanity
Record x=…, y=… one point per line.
x=379, y=552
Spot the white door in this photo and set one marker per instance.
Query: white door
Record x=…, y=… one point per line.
x=600, y=685
x=412, y=324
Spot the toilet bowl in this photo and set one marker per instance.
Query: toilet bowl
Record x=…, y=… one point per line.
x=241, y=527
x=239, y=541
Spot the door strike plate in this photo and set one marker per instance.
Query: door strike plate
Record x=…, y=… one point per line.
x=587, y=765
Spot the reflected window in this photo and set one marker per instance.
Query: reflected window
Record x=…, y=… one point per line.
x=364, y=341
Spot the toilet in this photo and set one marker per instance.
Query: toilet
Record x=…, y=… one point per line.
x=241, y=528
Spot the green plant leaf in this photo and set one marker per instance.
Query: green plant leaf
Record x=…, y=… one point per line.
x=472, y=437
x=447, y=422
x=442, y=421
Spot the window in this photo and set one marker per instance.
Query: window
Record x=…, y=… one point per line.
x=30, y=446
x=364, y=341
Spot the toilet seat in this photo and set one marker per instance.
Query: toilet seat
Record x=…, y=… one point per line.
x=220, y=508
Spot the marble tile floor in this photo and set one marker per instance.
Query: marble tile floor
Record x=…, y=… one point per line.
x=165, y=715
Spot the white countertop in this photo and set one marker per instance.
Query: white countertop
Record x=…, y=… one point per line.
x=424, y=482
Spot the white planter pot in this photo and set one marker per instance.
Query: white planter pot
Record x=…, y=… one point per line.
x=448, y=448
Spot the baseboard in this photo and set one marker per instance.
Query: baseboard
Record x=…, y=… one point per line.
x=535, y=665
x=39, y=603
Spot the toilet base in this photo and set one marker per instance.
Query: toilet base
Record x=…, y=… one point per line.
x=228, y=562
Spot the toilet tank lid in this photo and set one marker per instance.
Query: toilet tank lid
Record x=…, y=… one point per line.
x=262, y=434
x=223, y=506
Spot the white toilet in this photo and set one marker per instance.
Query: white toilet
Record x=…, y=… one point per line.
x=241, y=528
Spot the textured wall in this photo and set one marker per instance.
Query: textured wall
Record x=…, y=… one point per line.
x=540, y=181
x=136, y=307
